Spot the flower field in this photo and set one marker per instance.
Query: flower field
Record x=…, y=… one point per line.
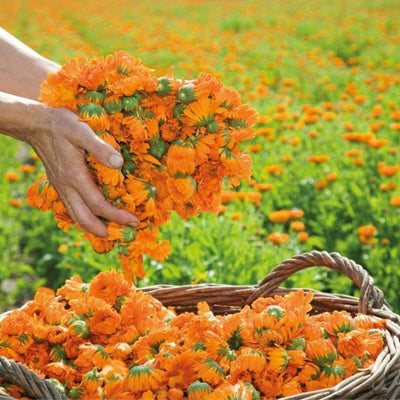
x=324, y=80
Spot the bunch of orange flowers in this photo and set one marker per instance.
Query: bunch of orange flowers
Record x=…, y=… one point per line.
x=108, y=340
x=179, y=140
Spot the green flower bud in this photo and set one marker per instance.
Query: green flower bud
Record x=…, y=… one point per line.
x=113, y=107
x=128, y=234
x=75, y=393
x=275, y=311
x=80, y=328
x=128, y=168
x=129, y=103
x=237, y=123
x=198, y=386
x=297, y=343
x=164, y=86
x=90, y=110
x=94, y=96
x=212, y=127
x=178, y=110
x=157, y=147
x=186, y=93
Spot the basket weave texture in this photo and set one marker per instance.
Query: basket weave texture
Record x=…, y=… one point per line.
x=380, y=381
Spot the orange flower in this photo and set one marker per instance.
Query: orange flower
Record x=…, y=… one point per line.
x=237, y=216
x=143, y=377
x=318, y=159
x=27, y=168
x=280, y=216
x=339, y=322
x=278, y=359
x=320, y=184
x=211, y=372
x=303, y=237
x=263, y=187
x=278, y=238
x=297, y=226
x=198, y=390
x=395, y=201
x=251, y=360
x=321, y=351
x=11, y=176
x=273, y=169
x=109, y=285
x=331, y=177
x=367, y=230
x=15, y=202
x=181, y=158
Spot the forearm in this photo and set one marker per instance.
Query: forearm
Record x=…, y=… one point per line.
x=22, y=70
x=22, y=118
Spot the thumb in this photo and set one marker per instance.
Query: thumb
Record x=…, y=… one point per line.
x=101, y=151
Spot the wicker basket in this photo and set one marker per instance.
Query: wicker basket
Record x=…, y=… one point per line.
x=381, y=381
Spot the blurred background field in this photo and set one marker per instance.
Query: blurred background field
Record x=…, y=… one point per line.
x=324, y=78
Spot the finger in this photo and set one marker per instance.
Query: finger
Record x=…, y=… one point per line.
x=81, y=214
x=83, y=183
x=100, y=150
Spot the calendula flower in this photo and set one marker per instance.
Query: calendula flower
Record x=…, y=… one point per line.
x=340, y=322
x=279, y=216
x=278, y=359
x=11, y=176
x=321, y=351
x=278, y=238
x=210, y=371
x=198, y=390
x=109, y=286
x=143, y=377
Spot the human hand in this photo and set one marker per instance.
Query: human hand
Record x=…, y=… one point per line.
x=61, y=144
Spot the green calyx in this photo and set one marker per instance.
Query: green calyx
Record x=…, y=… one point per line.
x=164, y=86
x=128, y=167
x=237, y=123
x=129, y=103
x=178, y=110
x=93, y=375
x=80, y=328
x=157, y=147
x=335, y=370
x=113, y=107
x=94, y=96
x=297, y=343
x=275, y=311
x=128, y=234
x=212, y=127
x=90, y=110
x=198, y=386
x=186, y=93
x=75, y=393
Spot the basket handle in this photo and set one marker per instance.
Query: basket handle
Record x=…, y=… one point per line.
x=37, y=388
x=370, y=296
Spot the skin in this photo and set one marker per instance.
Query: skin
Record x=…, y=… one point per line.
x=56, y=135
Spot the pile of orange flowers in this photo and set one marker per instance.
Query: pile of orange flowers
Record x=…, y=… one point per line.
x=108, y=340
x=179, y=140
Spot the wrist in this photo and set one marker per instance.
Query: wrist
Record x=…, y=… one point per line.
x=22, y=118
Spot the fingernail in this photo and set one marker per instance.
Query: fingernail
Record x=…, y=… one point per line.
x=134, y=222
x=116, y=161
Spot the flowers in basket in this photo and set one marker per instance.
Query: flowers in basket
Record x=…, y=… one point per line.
x=180, y=141
x=107, y=340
